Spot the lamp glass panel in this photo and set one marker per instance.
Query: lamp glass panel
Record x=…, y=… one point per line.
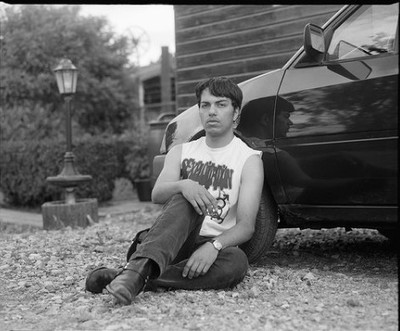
x=74, y=80
x=68, y=76
x=60, y=83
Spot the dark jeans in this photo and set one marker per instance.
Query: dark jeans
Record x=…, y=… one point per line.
x=174, y=237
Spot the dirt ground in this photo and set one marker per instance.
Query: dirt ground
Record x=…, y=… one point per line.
x=309, y=280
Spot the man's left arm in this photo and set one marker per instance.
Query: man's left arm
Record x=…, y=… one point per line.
x=251, y=185
x=252, y=181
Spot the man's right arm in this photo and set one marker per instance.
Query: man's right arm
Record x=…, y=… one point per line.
x=169, y=183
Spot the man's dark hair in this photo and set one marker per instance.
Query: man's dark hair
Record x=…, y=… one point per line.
x=221, y=87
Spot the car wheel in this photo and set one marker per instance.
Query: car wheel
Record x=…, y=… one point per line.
x=266, y=226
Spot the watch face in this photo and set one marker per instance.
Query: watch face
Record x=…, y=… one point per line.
x=217, y=244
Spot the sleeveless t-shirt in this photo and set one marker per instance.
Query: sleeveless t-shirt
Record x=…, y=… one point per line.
x=219, y=171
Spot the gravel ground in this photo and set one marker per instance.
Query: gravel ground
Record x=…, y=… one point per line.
x=309, y=280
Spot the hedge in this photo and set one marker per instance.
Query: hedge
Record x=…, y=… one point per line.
x=25, y=165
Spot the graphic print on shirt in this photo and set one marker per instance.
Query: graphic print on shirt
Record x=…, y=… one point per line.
x=215, y=178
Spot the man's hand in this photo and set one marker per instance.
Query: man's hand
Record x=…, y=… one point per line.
x=202, y=200
x=200, y=261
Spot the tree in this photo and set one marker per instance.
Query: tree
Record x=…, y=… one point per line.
x=33, y=39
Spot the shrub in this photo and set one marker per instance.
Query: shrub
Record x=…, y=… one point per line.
x=25, y=166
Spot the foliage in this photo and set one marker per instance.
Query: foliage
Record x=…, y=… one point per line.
x=34, y=122
x=24, y=168
x=33, y=39
x=137, y=162
x=26, y=165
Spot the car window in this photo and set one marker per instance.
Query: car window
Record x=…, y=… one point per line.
x=369, y=31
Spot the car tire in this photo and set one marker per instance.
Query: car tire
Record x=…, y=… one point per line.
x=265, y=229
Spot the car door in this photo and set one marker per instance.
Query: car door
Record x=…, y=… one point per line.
x=337, y=145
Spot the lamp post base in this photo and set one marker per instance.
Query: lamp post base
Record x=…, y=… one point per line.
x=69, y=183
x=59, y=214
x=69, y=178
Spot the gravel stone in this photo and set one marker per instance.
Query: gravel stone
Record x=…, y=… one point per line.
x=309, y=280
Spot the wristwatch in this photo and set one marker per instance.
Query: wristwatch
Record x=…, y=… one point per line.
x=217, y=244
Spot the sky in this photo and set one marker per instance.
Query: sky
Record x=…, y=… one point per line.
x=154, y=23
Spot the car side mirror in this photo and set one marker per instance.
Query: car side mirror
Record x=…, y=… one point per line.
x=355, y=70
x=314, y=42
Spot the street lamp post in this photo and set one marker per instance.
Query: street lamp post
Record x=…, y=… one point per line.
x=69, y=212
x=66, y=76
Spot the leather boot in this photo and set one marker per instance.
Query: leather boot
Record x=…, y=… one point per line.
x=99, y=278
x=131, y=281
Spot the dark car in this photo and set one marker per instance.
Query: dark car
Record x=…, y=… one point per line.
x=327, y=126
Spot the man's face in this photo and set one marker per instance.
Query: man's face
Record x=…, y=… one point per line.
x=283, y=124
x=217, y=114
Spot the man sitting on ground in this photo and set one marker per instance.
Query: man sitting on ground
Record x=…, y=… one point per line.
x=211, y=188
